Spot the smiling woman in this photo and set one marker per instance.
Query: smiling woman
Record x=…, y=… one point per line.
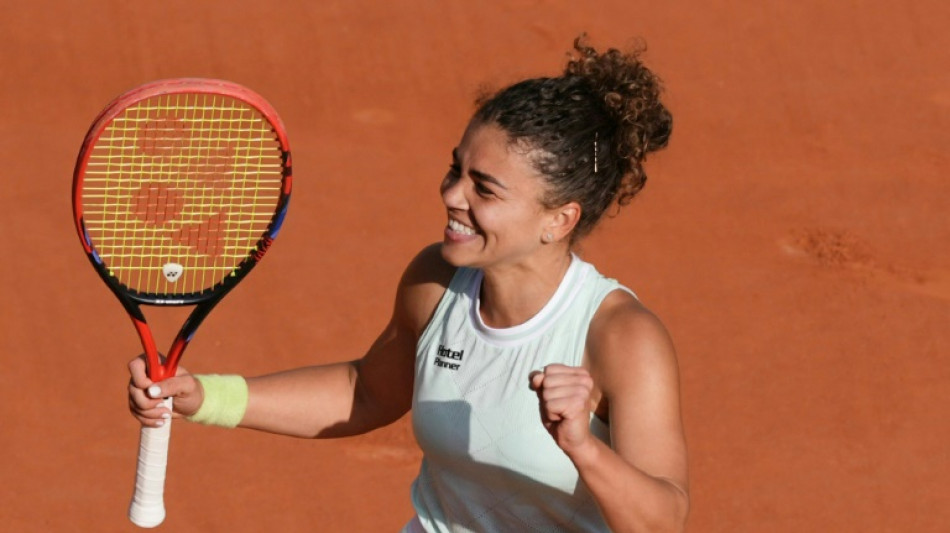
x=544, y=396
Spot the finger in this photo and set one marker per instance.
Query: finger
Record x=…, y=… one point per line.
x=565, y=409
x=565, y=406
x=576, y=393
x=151, y=417
x=579, y=391
x=558, y=368
x=565, y=398
x=561, y=386
x=557, y=407
x=138, y=374
x=567, y=377
x=140, y=401
x=152, y=413
x=172, y=387
x=536, y=380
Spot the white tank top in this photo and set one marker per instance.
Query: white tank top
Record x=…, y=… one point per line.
x=489, y=465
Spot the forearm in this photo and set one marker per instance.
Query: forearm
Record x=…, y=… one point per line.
x=630, y=499
x=312, y=402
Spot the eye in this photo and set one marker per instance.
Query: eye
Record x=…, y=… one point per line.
x=482, y=190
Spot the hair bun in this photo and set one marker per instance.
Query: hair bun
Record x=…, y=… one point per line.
x=630, y=93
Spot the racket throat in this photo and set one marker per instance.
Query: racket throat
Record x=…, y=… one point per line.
x=156, y=369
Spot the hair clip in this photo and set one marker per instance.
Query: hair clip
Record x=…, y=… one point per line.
x=596, y=135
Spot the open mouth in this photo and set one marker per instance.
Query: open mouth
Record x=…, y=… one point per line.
x=460, y=228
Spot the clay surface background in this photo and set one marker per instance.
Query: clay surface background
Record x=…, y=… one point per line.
x=793, y=237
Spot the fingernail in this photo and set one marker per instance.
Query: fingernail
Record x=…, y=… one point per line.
x=166, y=416
x=155, y=391
x=160, y=423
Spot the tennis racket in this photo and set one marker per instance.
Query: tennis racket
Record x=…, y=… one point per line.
x=179, y=189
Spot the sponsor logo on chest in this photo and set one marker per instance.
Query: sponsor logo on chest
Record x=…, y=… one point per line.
x=447, y=358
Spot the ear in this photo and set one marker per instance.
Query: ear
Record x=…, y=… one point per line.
x=563, y=220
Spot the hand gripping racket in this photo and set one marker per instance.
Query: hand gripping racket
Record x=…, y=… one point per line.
x=179, y=189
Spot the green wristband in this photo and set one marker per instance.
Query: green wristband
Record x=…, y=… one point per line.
x=225, y=400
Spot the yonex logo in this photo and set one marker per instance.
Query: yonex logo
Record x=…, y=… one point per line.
x=172, y=271
x=449, y=359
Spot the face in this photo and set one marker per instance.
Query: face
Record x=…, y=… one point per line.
x=492, y=194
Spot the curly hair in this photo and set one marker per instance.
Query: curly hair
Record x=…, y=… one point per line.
x=589, y=130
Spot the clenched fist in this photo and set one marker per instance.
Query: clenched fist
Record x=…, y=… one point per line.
x=564, y=397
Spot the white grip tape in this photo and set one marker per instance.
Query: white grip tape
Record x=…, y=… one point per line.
x=148, y=506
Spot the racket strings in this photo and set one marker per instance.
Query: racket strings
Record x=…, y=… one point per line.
x=179, y=190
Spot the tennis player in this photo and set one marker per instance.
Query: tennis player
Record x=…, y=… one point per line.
x=544, y=395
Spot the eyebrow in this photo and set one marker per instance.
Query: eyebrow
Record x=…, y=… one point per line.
x=478, y=174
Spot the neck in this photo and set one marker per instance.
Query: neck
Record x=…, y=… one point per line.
x=512, y=294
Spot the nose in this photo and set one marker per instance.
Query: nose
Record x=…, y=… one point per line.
x=453, y=192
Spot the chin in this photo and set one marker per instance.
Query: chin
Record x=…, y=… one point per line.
x=457, y=257
x=451, y=255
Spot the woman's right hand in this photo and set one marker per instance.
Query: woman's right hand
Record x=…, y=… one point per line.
x=145, y=395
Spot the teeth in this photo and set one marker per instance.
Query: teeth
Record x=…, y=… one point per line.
x=458, y=227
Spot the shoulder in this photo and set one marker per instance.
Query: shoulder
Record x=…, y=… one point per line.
x=422, y=285
x=627, y=342
x=633, y=364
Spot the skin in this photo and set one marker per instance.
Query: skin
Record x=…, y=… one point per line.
x=629, y=376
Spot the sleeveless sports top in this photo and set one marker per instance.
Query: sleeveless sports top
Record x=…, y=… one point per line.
x=489, y=465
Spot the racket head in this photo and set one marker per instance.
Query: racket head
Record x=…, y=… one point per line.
x=179, y=189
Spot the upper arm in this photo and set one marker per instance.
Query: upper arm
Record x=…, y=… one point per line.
x=633, y=363
x=349, y=398
x=384, y=376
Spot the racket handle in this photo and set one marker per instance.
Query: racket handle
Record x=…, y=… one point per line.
x=148, y=505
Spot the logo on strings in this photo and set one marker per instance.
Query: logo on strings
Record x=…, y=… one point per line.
x=172, y=271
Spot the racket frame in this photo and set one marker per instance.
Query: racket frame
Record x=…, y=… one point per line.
x=147, y=508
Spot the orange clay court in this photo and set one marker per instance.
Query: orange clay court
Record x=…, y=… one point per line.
x=793, y=237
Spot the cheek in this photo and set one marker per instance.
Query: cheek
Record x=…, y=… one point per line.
x=511, y=222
